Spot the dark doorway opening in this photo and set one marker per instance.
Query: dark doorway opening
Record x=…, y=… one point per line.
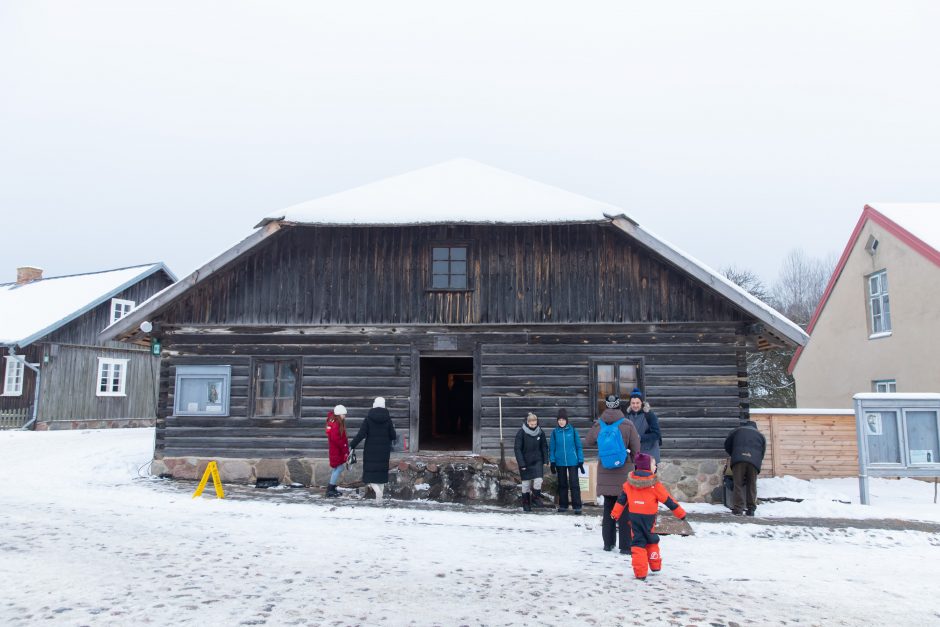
x=445, y=421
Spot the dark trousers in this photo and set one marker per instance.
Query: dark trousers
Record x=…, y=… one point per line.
x=568, y=477
x=745, y=488
x=611, y=528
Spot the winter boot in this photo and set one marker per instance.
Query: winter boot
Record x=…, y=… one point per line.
x=526, y=502
x=537, y=499
x=331, y=491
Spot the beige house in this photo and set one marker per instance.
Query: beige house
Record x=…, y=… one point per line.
x=877, y=326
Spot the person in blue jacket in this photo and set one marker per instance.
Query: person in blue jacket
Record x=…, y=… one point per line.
x=567, y=458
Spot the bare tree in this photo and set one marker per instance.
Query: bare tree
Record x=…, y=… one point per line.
x=800, y=285
x=769, y=383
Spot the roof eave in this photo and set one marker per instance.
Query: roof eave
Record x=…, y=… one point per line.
x=127, y=329
x=782, y=327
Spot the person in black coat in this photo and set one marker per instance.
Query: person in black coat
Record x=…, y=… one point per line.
x=746, y=446
x=378, y=432
x=531, y=448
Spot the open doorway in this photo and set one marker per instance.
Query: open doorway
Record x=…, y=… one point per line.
x=445, y=422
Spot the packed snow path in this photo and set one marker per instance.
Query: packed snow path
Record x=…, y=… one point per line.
x=83, y=542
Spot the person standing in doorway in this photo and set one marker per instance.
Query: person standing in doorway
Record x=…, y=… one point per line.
x=746, y=446
x=339, y=446
x=531, y=451
x=566, y=457
x=610, y=480
x=646, y=423
x=378, y=432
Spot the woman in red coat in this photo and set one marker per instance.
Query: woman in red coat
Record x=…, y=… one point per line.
x=339, y=445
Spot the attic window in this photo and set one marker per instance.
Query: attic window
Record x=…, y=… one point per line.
x=449, y=268
x=120, y=308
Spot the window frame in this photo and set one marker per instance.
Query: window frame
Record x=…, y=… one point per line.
x=117, y=305
x=450, y=244
x=253, y=386
x=887, y=382
x=882, y=297
x=122, y=380
x=18, y=378
x=191, y=371
x=638, y=362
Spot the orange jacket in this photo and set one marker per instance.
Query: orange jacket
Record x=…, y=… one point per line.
x=642, y=494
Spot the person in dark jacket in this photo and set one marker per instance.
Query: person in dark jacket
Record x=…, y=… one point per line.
x=746, y=446
x=610, y=480
x=378, y=432
x=531, y=450
x=646, y=423
x=566, y=457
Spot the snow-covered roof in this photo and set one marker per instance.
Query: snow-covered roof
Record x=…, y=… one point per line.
x=921, y=219
x=459, y=190
x=35, y=309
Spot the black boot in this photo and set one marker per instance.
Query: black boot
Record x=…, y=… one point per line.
x=526, y=502
x=537, y=499
x=331, y=491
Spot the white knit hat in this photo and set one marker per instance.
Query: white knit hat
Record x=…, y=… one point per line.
x=379, y=402
x=339, y=410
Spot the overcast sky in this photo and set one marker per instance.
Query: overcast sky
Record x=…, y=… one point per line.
x=136, y=132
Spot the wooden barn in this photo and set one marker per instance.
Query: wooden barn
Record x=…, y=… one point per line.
x=56, y=372
x=449, y=290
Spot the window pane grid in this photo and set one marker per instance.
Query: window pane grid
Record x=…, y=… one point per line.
x=879, y=303
x=449, y=267
x=275, y=388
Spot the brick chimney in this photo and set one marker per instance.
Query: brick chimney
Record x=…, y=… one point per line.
x=27, y=274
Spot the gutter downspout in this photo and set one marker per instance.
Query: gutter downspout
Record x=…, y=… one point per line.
x=34, y=368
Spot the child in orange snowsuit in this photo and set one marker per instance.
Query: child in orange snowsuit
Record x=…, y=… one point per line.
x=641, y=496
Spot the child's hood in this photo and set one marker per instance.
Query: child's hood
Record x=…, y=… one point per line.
x=642, y=479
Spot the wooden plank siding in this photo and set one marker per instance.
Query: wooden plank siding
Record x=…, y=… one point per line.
x=70, y=380
x=553, y=274
x=689, y=370
x=808, y=446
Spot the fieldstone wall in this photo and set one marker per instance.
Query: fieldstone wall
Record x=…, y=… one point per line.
x=475, y=479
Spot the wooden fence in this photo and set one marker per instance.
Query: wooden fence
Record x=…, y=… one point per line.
x=809, y=444
x=14, y=418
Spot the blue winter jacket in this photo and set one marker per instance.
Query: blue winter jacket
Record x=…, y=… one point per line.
x=564, y=447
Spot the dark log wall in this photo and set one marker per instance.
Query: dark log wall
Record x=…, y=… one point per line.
x=85, y=329
x=690, y=372
x=518, y=275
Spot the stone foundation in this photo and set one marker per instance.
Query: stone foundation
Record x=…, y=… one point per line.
x=449, y=479
x=124, y=423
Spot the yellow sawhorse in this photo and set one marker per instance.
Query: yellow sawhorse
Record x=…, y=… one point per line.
x=212, y=470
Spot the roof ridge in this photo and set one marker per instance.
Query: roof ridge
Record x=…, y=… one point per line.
x=69, y=276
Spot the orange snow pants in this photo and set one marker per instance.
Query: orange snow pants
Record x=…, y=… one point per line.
x=645, y=559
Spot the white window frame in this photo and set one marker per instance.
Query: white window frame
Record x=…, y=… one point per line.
x=120, y=308
x=13, y=377
x=884, y=386
x=106, y=371
x=877, y=289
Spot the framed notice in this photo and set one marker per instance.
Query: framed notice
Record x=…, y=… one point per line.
x=873, y=424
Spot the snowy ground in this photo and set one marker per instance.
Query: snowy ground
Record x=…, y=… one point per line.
x=84, y=541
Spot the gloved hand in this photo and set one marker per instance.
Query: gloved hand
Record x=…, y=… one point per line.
x=581, y=468
x=552, y=466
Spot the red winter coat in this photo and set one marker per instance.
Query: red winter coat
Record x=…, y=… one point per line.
x=339, y=441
